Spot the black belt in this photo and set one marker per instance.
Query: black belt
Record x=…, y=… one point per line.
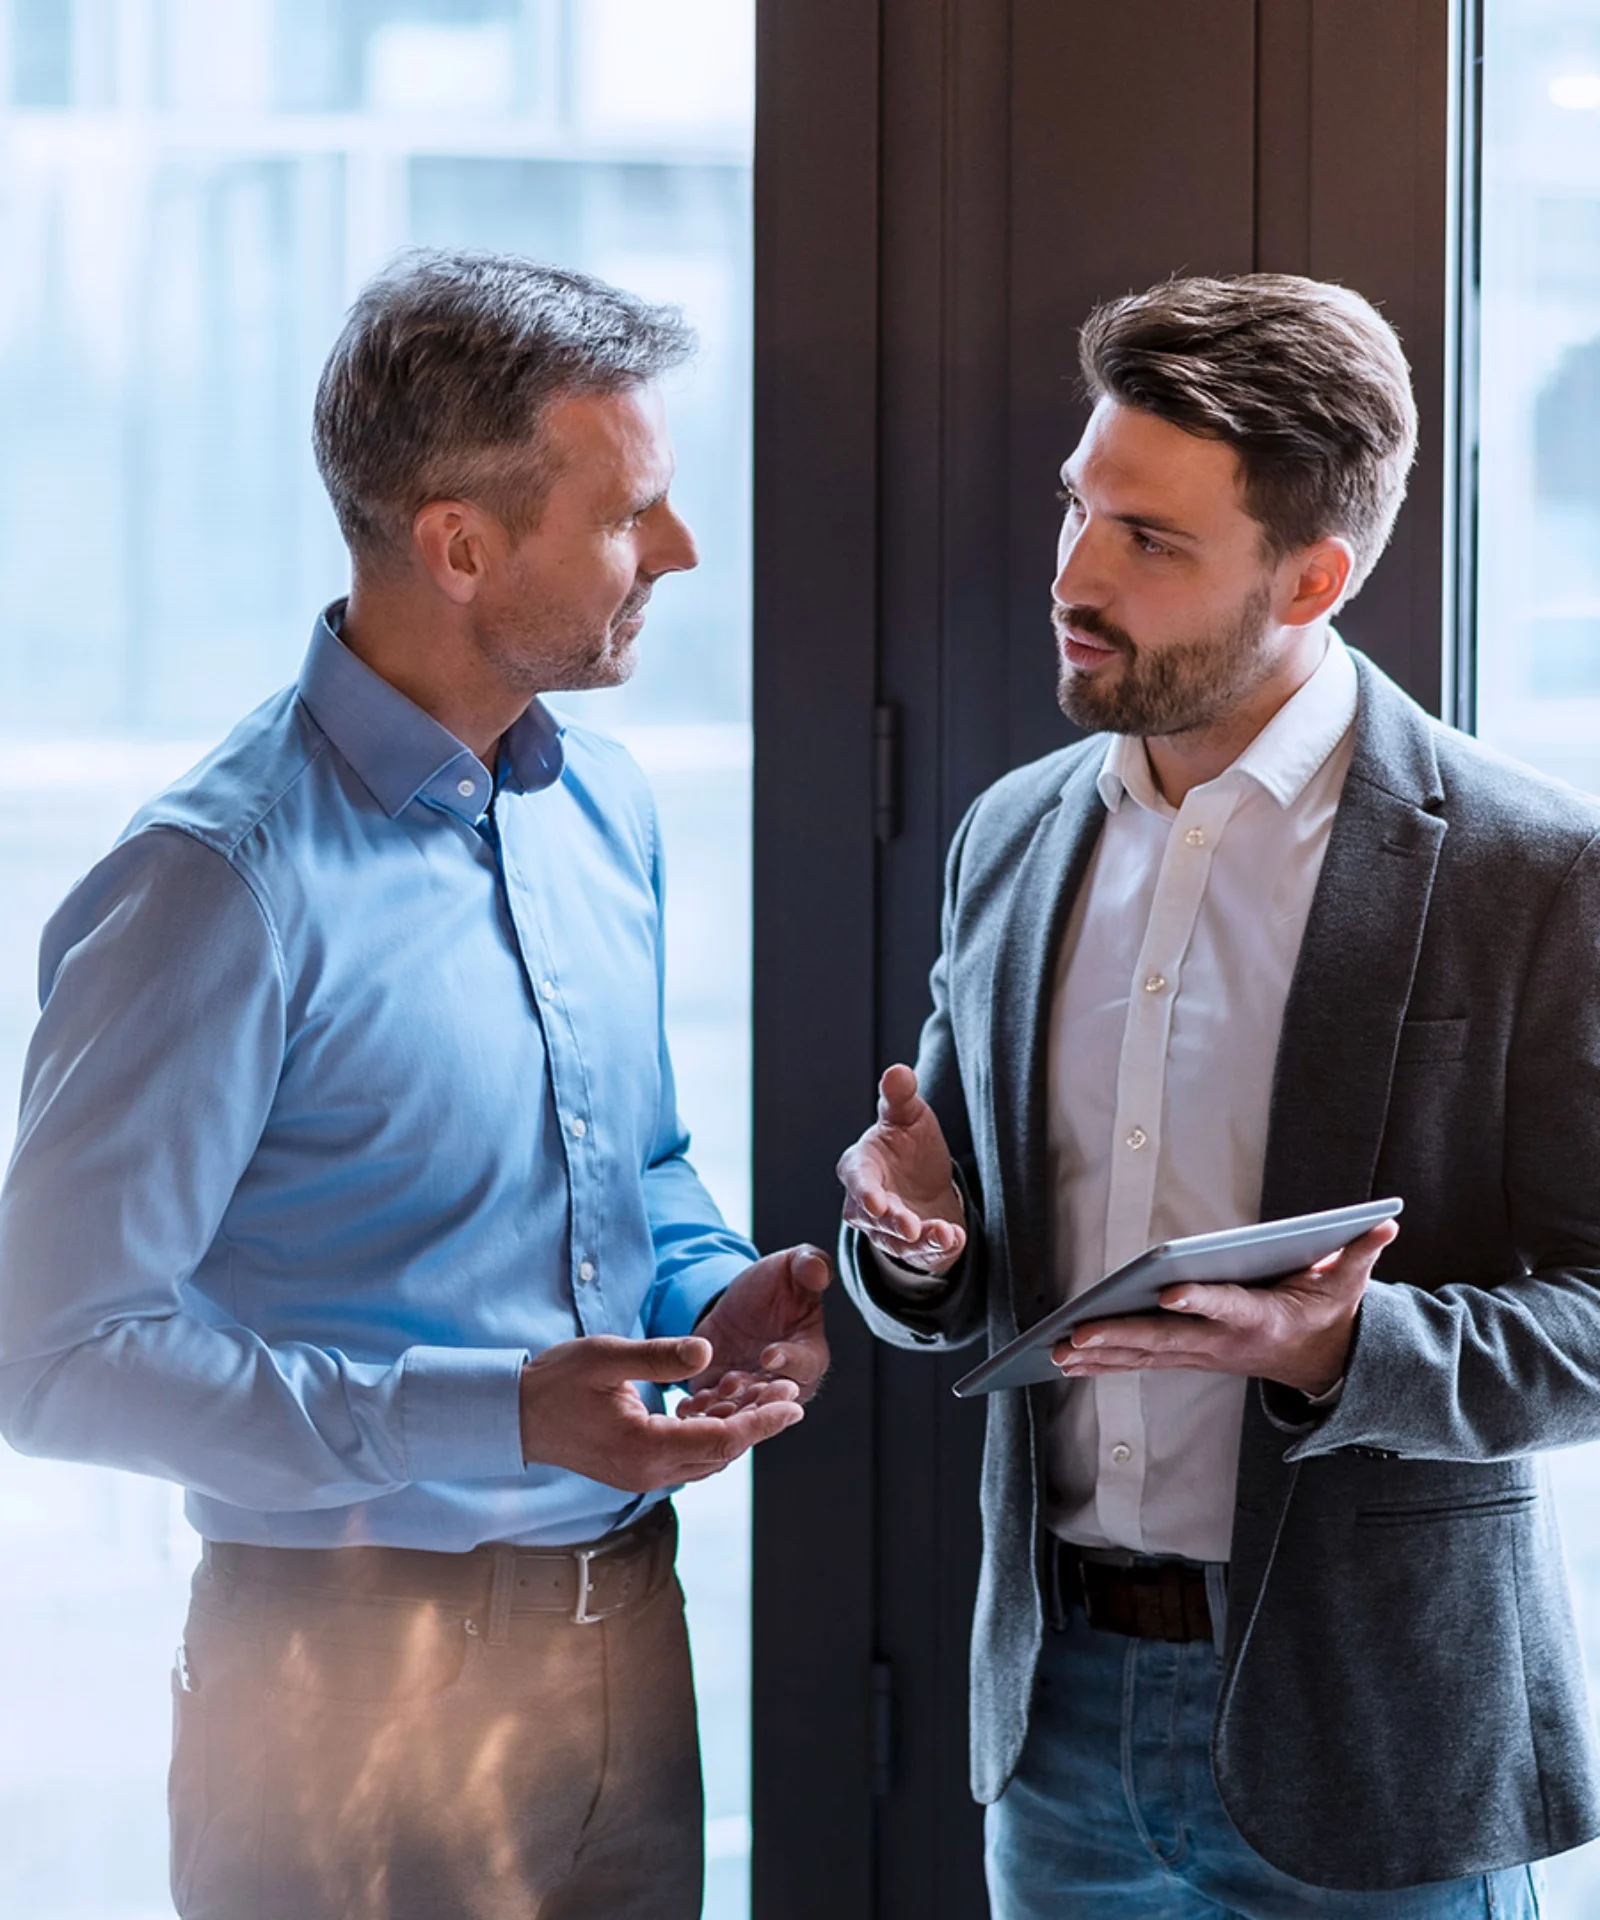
x=586, y=1583
x=1126, y=1593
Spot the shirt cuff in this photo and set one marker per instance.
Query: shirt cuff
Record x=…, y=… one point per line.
x=678, y=1308
x=461, y=1412
x=909, y=1282
x=1292, y=1411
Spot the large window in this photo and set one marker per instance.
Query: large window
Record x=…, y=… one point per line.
x=1538, y=569
x=189, y=195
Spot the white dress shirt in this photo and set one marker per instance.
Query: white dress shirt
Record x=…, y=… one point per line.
x=1170, y=989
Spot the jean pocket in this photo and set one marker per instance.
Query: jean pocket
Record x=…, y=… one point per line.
x=1516, y=1894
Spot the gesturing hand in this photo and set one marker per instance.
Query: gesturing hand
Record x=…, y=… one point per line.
x=581, y=1410
x=766, y=1332
x=1297, y=1332
x=899, y=1183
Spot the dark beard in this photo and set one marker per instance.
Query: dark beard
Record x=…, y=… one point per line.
x=1184, y=686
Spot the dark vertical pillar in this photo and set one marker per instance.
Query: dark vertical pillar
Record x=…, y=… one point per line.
x=816, y=574
x=942, y=673
x=1132, y=158
x=1355, y=155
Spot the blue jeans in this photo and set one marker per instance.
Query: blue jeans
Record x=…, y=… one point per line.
x=1113, y=1810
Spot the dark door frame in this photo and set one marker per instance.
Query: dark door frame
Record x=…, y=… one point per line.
x=943, y=189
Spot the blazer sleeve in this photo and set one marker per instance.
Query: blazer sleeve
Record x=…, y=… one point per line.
x=1470, y=1372
x=954, y=1314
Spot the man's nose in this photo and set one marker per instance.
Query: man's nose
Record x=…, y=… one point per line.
x=673, y=550
x=1079, y=577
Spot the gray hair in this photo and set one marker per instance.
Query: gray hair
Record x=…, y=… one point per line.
x=1305, y=380
x=440, y=384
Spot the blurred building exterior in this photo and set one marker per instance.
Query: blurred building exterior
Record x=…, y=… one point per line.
x=190, y=193
x=1538, y=512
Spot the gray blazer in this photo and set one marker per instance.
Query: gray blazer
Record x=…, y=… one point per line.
x=1403, y=1696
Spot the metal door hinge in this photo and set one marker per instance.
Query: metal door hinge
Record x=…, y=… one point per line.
x=885, y=772
x=881, y=1727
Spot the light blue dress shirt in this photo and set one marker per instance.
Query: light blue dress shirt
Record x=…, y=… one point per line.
x=350, y=1091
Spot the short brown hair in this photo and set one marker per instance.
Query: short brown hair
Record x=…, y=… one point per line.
x=438, y=386
x=1305, y=380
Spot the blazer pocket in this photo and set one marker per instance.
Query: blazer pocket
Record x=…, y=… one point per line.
x=1433, y=1041
x=1422, y=1513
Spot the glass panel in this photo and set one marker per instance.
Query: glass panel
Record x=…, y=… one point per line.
x=1539, y=513
x=191, y=194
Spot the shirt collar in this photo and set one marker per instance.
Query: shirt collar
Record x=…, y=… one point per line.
x=1282, y=758
x=402, y=754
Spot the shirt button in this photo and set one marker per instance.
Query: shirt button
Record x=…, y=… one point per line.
x=1138, y=1138
x=580, y=1126
x=548, y=989
x=1195, y=837
x=1122, y=1453
x=1156, y=983
x=586, y=1271
x=466, y=788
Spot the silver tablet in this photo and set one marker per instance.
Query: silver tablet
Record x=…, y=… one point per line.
x=1244, y=1256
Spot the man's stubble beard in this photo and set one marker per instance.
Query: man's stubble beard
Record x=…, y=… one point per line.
x=1187, y=685
x=542, y=649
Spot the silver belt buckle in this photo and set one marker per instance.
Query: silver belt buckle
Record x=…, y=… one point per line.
x=607, y=1549
x=581, y=1616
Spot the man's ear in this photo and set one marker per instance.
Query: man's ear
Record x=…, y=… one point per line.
x=455, y=542
x=1318, y=577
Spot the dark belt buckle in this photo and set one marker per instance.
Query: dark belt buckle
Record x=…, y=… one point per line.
x=1172, y=1594
x=1159, y=1602
x=1080, y=1569
x=1086, y=1595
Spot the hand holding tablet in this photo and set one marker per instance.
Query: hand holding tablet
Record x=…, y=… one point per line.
x=1241, y=1256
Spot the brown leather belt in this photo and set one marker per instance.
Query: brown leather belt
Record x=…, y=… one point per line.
x=1125, y=1593
x=586, y=1583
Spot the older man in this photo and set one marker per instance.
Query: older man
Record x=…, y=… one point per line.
x=350, y=1190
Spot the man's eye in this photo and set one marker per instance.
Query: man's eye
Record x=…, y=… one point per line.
x=1067, y=497
x=1146, y=544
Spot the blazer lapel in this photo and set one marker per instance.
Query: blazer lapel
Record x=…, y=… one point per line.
x=1047, y=881
x=1341, y=1026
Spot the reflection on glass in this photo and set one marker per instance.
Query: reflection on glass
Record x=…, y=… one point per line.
x=1539, y=513
x=192, y=192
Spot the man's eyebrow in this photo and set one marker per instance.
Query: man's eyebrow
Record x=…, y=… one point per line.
x=1143, y=522
x=1153, y=523
x=660, y=493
